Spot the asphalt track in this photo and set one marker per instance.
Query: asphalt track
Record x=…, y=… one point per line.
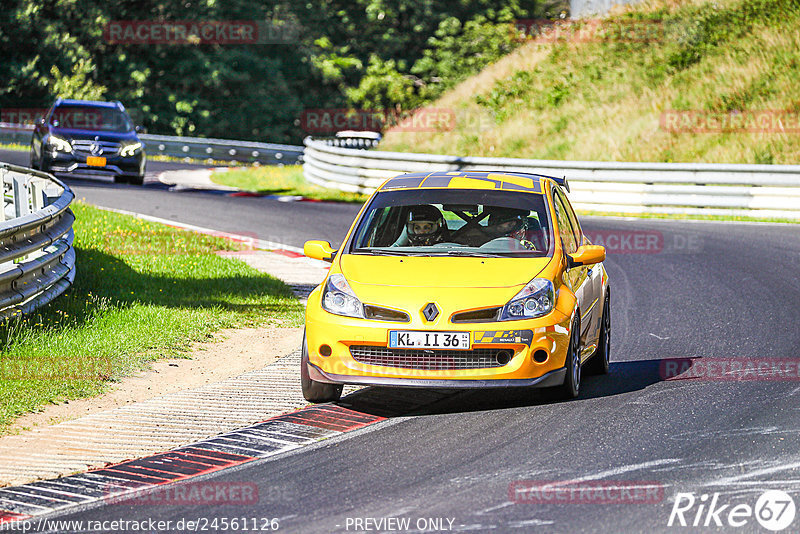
x=705, y=291
x=266, y=218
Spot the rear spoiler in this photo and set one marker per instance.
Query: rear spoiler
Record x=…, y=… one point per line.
x=560, y=181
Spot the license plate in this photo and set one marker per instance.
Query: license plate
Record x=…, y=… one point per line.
x=400, y=339
x=95, y=161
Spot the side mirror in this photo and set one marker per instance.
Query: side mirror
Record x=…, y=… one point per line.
x=141, y=129
x=319, y=250
x=586, y=255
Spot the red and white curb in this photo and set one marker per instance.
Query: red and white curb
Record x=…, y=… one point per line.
x=271, y=437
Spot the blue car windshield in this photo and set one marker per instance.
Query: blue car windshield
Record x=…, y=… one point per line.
x=454, y=222
x=82, y=117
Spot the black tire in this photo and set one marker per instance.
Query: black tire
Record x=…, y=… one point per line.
x=571, y=387
x=136, y=180
x=314, y=391
x=598, y=364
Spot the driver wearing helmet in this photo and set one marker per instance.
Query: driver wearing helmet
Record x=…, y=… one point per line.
x=509, y=222
x=425, y=226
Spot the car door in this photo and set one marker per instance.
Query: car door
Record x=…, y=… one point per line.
x=577, y=278
x=592, y=287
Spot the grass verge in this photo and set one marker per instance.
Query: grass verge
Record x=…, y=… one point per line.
x=608, y=97
x=15, y=146
x=287, y=180
x=143, y=291
x=687, y=217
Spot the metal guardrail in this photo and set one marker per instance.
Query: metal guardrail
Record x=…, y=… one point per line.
x=222, y=149
x=197, y=148
x=352, y=142
x=37, y=261
x=682, y=188
x=17, y=134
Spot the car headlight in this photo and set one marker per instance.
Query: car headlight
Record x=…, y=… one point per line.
x=537, y=298
x=338, y=298
x=130, y=149
x=58, y=144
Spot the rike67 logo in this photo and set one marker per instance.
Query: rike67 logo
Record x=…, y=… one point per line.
x=774, y=510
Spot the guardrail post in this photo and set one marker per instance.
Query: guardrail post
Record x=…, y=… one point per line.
x=21, y=206
x=50, y=195
x=38, y=199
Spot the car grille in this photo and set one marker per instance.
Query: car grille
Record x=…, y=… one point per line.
x=431, y=360
x=84, y=147
x=385, y=314
x=477, y=316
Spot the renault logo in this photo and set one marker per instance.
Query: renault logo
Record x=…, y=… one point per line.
x=430, y=311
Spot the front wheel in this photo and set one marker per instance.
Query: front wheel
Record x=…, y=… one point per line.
x=314, y=391
x=572, y=379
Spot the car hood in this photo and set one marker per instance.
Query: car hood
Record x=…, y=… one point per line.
x=440, y=272
x=72, y=135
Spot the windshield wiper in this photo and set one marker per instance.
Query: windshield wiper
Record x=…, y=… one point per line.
x=473, y=253
x=465, y=253
x=384, y=252
x=378, y=252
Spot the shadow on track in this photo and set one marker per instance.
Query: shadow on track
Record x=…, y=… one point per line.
x=624, y=377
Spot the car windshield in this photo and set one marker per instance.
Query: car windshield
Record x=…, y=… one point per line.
x=454, y=222
x=91, y=118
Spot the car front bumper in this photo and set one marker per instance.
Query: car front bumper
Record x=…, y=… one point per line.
x=549, y=379
x=75, y=165
x=546, y=337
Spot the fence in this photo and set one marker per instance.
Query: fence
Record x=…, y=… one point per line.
x=37, y=261
x=771, y=191
x=197, y=148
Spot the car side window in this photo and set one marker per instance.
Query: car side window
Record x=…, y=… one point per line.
x=573, y=219
x=565, y=229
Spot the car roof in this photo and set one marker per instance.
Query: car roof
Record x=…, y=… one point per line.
x=513, y=181
x=91, y=103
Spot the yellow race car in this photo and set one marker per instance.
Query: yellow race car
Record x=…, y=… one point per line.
x=459, y=279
